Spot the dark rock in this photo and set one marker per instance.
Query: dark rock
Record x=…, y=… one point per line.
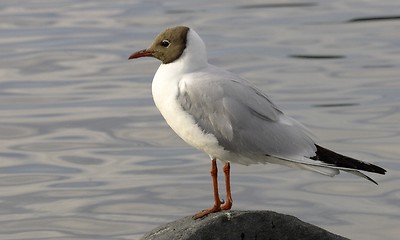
x=240, y=225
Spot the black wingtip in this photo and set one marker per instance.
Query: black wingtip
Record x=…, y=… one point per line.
x=336, y=159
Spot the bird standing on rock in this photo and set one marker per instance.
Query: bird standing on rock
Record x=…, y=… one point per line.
x=229, y=118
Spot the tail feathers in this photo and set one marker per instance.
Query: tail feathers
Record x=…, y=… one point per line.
x=336, y=159
x=360, y=174
x=330, y=171
x=321, y=170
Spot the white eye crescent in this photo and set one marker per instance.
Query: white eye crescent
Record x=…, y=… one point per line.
x=165, y=43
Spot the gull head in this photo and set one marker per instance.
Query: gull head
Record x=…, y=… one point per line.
x=179, y=45
x=167, y=47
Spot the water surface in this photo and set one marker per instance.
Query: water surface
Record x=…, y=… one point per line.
x=86, y=155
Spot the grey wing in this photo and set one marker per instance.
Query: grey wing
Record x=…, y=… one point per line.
x=242, y=118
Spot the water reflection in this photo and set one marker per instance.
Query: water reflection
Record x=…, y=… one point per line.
x=278, y=5
x=375, y=18
x=317, y=56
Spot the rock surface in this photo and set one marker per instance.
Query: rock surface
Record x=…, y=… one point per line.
x=241, y=225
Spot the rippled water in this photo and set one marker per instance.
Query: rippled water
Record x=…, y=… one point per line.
x=86, y=155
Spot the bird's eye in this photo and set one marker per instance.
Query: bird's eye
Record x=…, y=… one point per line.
x=165, y=43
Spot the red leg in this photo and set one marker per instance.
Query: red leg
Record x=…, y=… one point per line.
x=217, y=201
x=228, y=204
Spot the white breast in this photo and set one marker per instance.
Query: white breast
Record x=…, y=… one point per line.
x=165, y=88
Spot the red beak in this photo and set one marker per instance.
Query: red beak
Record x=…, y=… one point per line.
x=141, y=53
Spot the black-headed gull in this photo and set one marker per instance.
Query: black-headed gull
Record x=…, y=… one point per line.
x=229, y=118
